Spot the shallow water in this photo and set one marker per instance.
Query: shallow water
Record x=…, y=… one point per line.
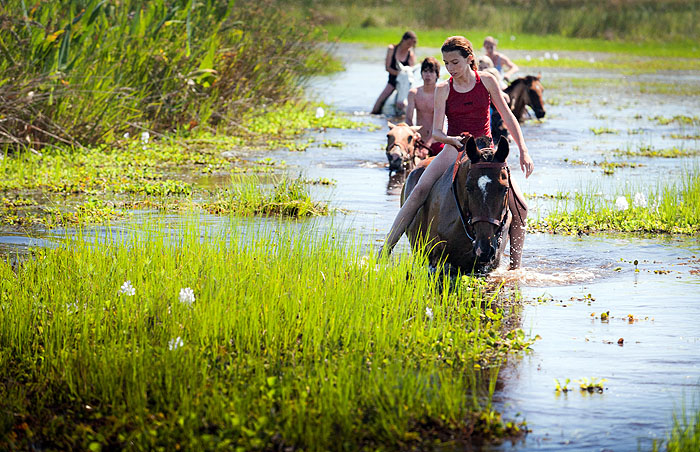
x=658, y=365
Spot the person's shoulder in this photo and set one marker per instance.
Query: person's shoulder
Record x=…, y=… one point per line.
x=442, y=88
x=390, y=47
x=487, y=75
x=415, y=90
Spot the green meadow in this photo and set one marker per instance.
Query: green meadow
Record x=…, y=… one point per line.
x=246, y=339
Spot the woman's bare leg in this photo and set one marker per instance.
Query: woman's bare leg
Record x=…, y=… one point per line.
x=517, y=225
x=388, y=89
x=417, y=197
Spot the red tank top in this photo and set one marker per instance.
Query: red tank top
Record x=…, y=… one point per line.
x=469, y=112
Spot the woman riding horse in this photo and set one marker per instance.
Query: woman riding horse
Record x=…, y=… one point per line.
x=465, y=100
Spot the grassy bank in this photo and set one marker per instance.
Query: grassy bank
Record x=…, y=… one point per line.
x=632, y=21
x=684, y=435
x=258, y=340
x=82, y=73
x=188, y=171
x=671, y=208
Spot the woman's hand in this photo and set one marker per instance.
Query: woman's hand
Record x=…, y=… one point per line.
x=526, y=163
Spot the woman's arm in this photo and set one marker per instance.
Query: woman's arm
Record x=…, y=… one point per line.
x=387, y=63
x=491, y=84
x=512, y=67
x=411, y=57
x=442, y=90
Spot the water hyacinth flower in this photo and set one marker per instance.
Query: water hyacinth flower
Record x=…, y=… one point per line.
x=176, y=343
x=621, y=203
x=127, y=289
x=187, y=295
x=429, y=313
x=639, y=200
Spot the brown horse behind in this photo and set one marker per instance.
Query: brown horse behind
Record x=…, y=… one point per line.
x=474, y=240
x=402, y=147
x=524, y=91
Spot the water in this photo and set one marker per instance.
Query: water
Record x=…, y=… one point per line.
x=657, y=367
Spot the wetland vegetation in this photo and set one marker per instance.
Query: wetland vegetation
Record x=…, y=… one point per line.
x=247, y=338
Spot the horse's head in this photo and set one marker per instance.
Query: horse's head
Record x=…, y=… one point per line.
x=527, y=91
x=407, y=79
x=486, y=181
x=401, y=145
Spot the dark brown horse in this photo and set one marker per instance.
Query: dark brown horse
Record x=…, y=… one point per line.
x=524, y=91
x=465, y=218
x=402, y=146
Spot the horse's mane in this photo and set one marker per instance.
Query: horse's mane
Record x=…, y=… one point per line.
x=514, y=84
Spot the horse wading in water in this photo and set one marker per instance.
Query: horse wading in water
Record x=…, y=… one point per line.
x=395, y=105
x=465, y=218
x=524, y=91
x=402, y=147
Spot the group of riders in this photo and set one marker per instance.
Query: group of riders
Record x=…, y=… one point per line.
x=467, y=100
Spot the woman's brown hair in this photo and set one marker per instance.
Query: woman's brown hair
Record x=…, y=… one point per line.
x=462, y=45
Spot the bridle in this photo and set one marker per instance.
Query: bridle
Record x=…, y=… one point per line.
x=405, y=151
x=469, y=220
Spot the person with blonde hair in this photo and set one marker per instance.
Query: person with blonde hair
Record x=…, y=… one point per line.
x=464, y=100
x=499, y=59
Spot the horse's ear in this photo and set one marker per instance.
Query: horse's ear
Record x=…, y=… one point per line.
x=472, y=151
x=502, y=150
x=416, y=128
x=391, y=125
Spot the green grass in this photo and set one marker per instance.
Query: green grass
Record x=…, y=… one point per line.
x=648, y=151
x=685, y=51
x=291, y=339
x=673, y=208
x=684, y=435
x=81, y=73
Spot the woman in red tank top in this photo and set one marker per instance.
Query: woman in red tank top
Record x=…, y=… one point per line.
x=464, y=100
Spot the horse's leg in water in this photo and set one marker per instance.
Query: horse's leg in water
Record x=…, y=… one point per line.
x=388, y=89
x=518, y=208
x=417, y=197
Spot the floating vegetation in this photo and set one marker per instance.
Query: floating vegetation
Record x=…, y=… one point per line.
x=333, y=144
x=673, y=208
x=678, y=119
x=648, y=151
x=603, y=130
x=608, y=167
x=247, y=338
x=592, y=384
x=679, y=136
x=562, y=387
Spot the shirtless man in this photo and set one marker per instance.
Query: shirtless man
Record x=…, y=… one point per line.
x=421, y=100
x=499, y=59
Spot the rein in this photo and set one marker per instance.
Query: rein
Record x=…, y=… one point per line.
x=469, y=220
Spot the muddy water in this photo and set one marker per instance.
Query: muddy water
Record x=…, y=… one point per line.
x=658, y=364
x=567, y=282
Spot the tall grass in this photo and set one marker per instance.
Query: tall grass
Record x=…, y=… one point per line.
x=83, y=72
x=685, y=433
x=672, y=207
x=643, y=20
x=291, y=340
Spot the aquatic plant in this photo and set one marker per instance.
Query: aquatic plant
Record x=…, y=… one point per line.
x=670, y=208
x=562, y=387
x=684, y=435
x=292, y=341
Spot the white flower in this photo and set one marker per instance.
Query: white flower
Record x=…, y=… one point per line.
x=187, y=295
x=528, y=58
x=555, y=56
x=639, y=200
x=30, y=95
x=145, y=136
x=127, y=289
x=190, y=82
x=175, y=343
x=512, y=38
x=621, y=203
x=429, y=313
x=320, y=113
x=126, y=135
x=591, y=60
x=547, y=55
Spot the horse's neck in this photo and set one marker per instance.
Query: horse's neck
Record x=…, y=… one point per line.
x=518, y=99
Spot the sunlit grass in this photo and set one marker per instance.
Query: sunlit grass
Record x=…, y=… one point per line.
x=245, y=339
x=672, y=207
x=685, y=433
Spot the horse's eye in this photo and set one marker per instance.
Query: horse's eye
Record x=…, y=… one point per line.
x=410, y=138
